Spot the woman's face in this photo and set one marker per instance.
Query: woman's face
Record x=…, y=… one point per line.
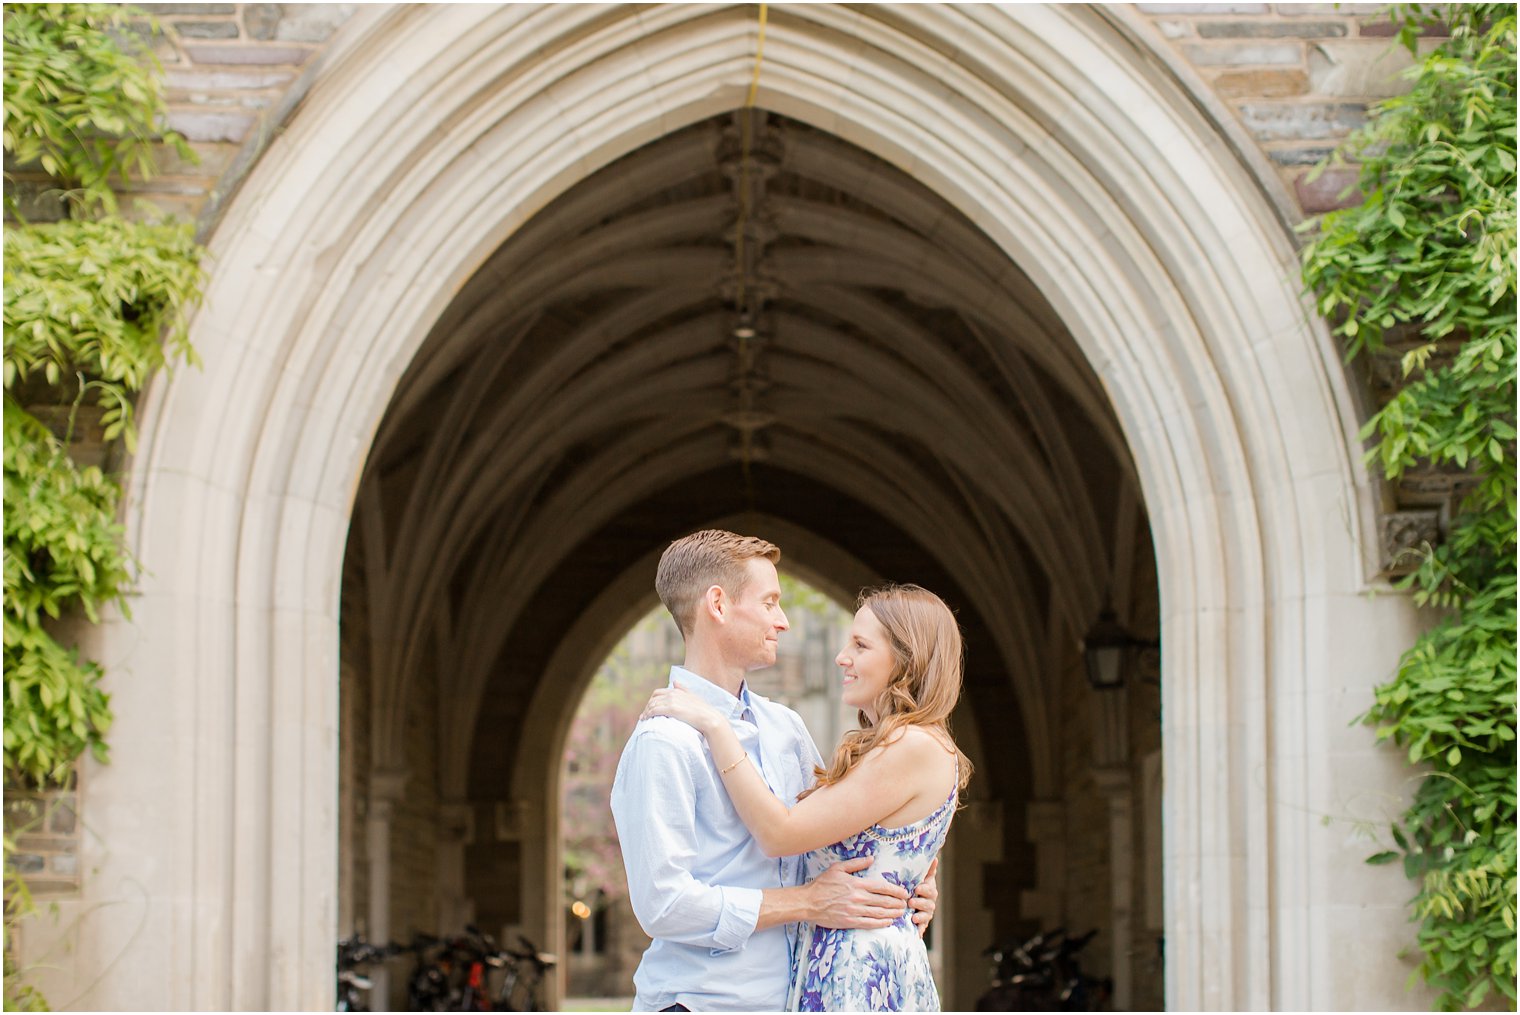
x=867, y=661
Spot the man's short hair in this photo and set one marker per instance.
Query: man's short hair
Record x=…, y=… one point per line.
x=695, y=563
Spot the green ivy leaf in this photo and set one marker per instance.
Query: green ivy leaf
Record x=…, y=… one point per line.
x=1432, y=245
x=93, y=306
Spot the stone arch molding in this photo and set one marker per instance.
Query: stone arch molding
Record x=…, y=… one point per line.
x=430, y=134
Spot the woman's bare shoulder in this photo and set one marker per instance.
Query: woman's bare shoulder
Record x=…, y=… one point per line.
x=911, y=746
x=930, y=740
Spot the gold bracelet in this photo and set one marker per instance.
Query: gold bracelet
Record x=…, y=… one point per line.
x=735, y=765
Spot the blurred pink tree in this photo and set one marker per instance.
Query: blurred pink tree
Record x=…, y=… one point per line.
x=593, y=864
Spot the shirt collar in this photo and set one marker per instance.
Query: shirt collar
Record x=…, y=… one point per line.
x=711, y=693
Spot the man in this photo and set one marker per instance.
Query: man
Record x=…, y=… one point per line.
x=721, y=912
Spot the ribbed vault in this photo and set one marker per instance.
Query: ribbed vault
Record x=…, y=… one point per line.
x=595, y=390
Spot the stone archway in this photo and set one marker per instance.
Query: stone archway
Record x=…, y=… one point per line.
x=1078, y=157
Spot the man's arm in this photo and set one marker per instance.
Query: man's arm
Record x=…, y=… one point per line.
x=836, y=899
x=834, y=910
x=653, y=805
x=925, y=898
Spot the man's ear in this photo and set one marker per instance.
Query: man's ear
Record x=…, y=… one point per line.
x=715, y=603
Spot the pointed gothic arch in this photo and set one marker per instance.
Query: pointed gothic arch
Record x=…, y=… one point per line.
x=433, y=133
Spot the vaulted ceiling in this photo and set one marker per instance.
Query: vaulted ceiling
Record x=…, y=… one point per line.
x=747, y=315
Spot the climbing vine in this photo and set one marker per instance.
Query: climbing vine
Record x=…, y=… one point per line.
x=1430, y=252
x=93, y=304
x=89, y=300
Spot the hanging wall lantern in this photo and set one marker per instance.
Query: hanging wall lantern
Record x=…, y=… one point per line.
x=1106, y=651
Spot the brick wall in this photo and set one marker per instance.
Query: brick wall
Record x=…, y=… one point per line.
x=45, y=828
x=231, y=71
x=1299, y=77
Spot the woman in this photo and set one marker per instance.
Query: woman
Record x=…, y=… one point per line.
x=888, y=793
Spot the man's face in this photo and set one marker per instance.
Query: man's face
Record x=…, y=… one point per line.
x=755, y=617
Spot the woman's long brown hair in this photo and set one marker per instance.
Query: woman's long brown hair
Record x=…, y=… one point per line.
x=925, y=683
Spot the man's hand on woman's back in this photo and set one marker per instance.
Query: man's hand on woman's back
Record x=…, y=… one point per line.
x=926, y=898
x=839, y=900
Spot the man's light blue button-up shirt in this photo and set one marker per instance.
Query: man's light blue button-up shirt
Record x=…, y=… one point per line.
x=695, y=874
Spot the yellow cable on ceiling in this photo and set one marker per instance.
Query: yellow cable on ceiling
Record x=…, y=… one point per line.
x=754, y=81
x=744, y=151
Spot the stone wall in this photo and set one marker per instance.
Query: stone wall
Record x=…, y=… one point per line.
x=1297, y=77
x=232, y=74
x=45, y=828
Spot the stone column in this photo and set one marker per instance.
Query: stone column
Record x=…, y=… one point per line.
x=1111, y=774
x=385, y=790
x=964, y=925
x=1045, y=828
x=542, y=872
x=455, y=831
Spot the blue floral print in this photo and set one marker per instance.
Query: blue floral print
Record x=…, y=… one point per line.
x=872, y=970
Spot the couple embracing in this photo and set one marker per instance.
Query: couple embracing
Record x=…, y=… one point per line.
x=768, y=880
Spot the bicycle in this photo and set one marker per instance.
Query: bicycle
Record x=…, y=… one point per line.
x=476, y=955
x=429, y=987
x=525, y=973
x=454, y=974
x=1043, y=974
x=354, y=953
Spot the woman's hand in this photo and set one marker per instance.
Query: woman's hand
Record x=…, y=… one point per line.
x=679, y=703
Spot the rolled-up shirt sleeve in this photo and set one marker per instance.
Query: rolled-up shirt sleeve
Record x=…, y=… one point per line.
x=654, y=806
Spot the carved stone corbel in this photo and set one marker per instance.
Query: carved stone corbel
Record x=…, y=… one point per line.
x=1404, y=538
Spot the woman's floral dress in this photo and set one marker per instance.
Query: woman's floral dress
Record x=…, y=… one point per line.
x=871, y=970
